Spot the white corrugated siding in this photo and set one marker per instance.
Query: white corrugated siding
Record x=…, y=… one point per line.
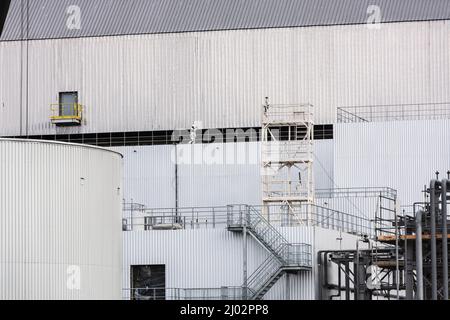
x=149, y=175
x=306, y=286
x=403, y=155
x=152, y=82
x=212, y=258
x=227, y=174
x=50, y=219
x=217, y=174
x=323, y=164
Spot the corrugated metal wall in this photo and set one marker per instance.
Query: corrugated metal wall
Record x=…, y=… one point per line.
x=402, y=155
x=152, y=82
x=208, y=175
x=60, y=206
x=228, y=173
x=149, y=175
x=212, y=258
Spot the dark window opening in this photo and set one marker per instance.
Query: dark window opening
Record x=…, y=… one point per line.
x=68, y=104
x=148, y=282
x=154, y=138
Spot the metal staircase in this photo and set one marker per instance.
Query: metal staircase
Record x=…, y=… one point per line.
x=284, y=256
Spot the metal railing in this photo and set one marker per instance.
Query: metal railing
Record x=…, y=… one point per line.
x=288, y=253
x=218, y=217
x=364, y=192
x=283, y=254
x=288, y=113
x=420, y=111
x=133, y=206
x=293, y=255
x=269, y=269
x=262, y=221
x=64, y=111
x=296, y=254
x=184, y=218
x=340, y=209
x=223, y=293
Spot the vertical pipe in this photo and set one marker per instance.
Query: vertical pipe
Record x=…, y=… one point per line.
x=176, y=181
x=27, y=68
x=433, y=207
x=324, y=285
x=407, y=265
x=444, y=239
x=324, y=276
x=21, y=67
x=419, y=258
x=397, y=264
x=356, y=282
x=288, y=287
x=409, y=275
x=347, y=280
x=245, y=275
x=356, y=272
x=339, y=280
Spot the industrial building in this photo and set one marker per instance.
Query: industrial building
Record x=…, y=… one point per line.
x=271, y=149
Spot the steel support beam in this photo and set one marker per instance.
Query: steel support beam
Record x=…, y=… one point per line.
x=244, y=259
x=347, y=281
x=434, y=199
x=419, y=256
x=409, y=271
x=445, y=184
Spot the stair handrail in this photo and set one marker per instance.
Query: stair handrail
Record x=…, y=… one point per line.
x=260, y=216
x=244, y=217
x=282, y=253
x=260, y=276
x=291, y=256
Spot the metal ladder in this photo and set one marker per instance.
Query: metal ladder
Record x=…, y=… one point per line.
x=284, y=256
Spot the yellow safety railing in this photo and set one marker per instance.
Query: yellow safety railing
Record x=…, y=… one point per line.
x=66, y=111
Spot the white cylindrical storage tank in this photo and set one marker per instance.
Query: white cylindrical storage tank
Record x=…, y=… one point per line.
x=60, y=221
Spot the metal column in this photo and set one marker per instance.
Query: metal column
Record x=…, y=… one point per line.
x=433, y=209
x=419, y=257
x=245, y=271
x=409, y=272
x=444, y=239
x=347, y=281
x=288, y=287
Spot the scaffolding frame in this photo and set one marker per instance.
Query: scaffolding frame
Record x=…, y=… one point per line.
x=287, y=147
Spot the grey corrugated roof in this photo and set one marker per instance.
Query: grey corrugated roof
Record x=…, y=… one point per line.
x=47, y=18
